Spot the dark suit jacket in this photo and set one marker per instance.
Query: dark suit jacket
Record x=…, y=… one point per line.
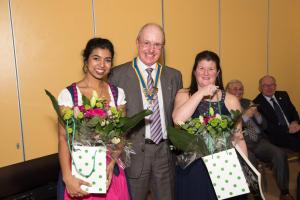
x=125, y=77
x=268, y=112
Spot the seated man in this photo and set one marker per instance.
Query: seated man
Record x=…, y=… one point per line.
x=258, y=146
x=283, y=120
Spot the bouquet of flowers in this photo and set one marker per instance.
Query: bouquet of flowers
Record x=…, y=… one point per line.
x=96, y=132
x=204, y=135
x=95, y=123
x=209, y=137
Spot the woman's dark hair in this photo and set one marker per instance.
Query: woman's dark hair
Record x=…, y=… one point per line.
x=93, y=44
x=209, y=56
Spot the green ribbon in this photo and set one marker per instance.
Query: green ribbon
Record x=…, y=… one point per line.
x=209, y=140
x=71, y=149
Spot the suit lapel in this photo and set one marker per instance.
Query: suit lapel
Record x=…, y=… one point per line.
x=166, y=93
x=280, y=99
x=135, y=87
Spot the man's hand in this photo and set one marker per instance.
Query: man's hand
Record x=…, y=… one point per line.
x=250, y=112
x=294, y=127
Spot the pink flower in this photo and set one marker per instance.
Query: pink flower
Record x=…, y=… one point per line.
x=95, y=112
x=206, y=120
x=81, y=108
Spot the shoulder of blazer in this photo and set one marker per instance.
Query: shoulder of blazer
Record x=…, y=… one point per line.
x=172, y=74
x=281, y=94
x=171, y=70
x=259, y=98
x=121, y=68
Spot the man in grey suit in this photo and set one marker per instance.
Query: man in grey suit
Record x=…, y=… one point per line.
x=149, y=85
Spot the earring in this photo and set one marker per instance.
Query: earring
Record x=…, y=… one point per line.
x=85, y=68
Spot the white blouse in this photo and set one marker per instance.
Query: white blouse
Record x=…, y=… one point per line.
x=65, y=98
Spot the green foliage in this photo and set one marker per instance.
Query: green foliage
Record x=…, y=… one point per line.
x=206, y=134
x=131, y=122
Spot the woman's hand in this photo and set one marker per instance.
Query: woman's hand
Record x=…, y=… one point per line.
x=209, y=90
x=73, y=186
x=109, y=173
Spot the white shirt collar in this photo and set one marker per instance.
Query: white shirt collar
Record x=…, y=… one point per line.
x=143, y=67
x=269, y=98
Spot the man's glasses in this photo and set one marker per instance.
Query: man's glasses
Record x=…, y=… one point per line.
x=147, y=44
x=268, y=85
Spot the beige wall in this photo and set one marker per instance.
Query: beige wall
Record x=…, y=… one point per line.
x=243, y=42
x=190, y=28
x=9, y=118
x=49, y=37
x=284, y=47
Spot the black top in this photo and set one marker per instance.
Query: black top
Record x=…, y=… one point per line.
x=203, y=107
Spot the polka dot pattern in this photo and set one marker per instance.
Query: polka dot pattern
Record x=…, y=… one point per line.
x=83, y=160
x=226, y=174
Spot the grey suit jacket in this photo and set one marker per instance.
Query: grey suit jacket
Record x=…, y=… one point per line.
x=125, y=77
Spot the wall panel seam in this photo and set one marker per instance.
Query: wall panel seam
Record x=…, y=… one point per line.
x=17, y=78
x=268, y=36
x=219, y=28
x=163, y=26
x=94, y=18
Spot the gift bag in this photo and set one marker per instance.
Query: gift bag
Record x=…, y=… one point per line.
x=226, y=174
x=89, y=164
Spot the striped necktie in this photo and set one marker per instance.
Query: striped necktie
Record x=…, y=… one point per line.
x=155, y=122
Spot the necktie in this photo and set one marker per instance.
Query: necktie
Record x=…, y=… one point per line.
x=252, y=130
x=155, y=122
x=278, y=111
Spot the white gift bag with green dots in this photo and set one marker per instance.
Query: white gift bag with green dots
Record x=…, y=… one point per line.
x=89, y=164
x=226, y=174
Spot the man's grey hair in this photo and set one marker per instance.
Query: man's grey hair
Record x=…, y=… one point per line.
x=232, y=82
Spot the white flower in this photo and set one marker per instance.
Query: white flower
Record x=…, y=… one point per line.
x=115, y=140
x=201, y=119
x=218, y=116
x=94, y=99
x=103, y=123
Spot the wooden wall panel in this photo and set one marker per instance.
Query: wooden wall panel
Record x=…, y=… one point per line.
x=10, y=126
x=244, y=42
x=190, y=27
x=49, y=38
x=120, y=22
x=51, y=34
x=284, y=46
